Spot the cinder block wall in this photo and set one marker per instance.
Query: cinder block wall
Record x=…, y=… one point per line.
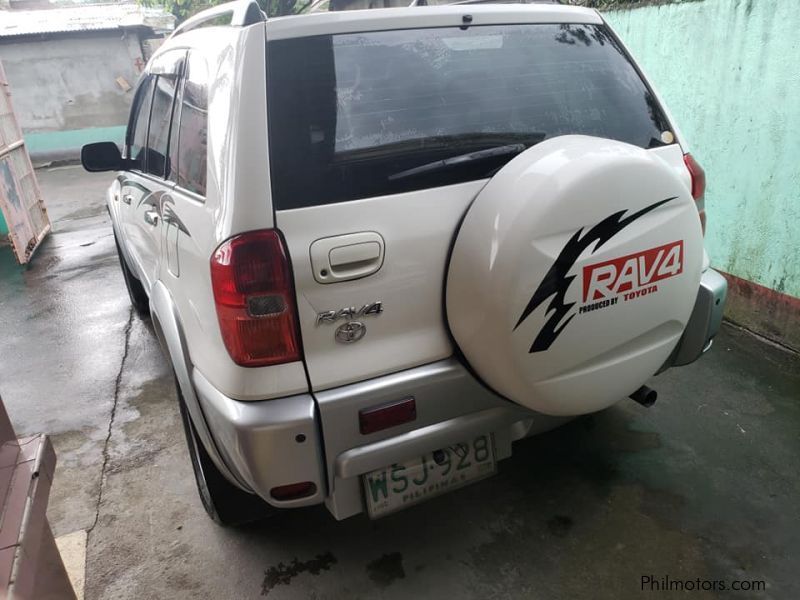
x=730, y=72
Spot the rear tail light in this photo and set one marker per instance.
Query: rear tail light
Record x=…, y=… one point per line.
x=698, y=186
x=254, y=296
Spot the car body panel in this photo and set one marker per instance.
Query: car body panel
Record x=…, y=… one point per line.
x=234, y=137
x=411, y=329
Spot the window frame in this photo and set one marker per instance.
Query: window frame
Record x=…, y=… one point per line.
x=175, y=123
x=171, y=64
x=189, y=52
x=133, y=118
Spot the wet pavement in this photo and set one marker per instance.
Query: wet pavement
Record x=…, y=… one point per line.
x=705, y=485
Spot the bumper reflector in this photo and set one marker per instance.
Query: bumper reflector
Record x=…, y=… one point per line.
x=382, y=417
x=293, y=491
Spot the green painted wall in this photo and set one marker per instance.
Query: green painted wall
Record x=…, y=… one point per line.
x=729, y=70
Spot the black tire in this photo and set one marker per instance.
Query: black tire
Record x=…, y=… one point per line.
x=136, y=292
x=225, y=503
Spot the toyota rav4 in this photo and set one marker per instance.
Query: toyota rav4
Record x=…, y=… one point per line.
x=380, y=246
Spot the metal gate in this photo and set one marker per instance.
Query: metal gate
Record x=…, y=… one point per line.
x=20, y=199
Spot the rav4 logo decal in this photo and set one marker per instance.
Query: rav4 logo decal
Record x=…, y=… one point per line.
x=626, y=273
x=558, y=280
x=351, y=312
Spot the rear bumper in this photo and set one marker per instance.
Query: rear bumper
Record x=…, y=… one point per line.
x=265, y=444
x=259, y=440
x=452, y=407
x=303, y=438
x=705, y=320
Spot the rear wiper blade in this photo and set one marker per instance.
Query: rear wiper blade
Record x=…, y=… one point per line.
x=461, y=159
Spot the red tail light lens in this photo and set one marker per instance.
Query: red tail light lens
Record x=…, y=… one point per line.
x=698, y=186
x=698, y=176
x=255, y=302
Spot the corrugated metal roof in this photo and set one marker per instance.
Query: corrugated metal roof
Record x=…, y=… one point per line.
x=86, y=17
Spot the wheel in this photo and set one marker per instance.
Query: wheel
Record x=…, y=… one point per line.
x=136, y=291
x=225, y=503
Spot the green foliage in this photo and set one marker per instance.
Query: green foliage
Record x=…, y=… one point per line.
x=620, y=4
x=276, y=8
x=183, y=9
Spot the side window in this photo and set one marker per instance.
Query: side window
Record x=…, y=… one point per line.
x=140, y=115
x=172, y=159
x=160, y=116
x=192, y=147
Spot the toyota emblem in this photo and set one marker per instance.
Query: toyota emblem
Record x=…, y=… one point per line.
x=350, y=332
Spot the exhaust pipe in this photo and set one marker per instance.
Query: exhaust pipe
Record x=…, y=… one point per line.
x=646, y=396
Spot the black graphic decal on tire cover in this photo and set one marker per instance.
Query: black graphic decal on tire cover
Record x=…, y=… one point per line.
x=557, y=281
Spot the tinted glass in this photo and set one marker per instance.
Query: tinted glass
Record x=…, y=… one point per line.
x=172, y=171
x=346, y=112
x=160, y=118
x=140, y=114
x=194, y=125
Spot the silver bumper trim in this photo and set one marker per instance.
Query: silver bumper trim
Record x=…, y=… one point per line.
x=705, y=320
x=452, y=407
x=259, y=441
x=268, y=443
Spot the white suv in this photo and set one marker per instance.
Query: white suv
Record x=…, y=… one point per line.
x=380, y=246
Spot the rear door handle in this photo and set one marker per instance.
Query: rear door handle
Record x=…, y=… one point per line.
x=151, y=217
x=346, y=257
x=354, y=256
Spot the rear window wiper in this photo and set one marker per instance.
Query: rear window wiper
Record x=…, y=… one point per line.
x=461, y=159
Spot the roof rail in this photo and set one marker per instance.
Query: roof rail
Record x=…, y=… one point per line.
x=240, y=14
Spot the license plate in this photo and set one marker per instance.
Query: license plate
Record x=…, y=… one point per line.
x=401, y=485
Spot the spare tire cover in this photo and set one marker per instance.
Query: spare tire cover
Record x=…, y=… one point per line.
x=574, y=273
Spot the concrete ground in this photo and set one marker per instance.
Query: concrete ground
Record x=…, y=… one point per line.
x=705, y=485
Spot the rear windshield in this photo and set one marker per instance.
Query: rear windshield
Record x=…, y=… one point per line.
x=354, y=116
